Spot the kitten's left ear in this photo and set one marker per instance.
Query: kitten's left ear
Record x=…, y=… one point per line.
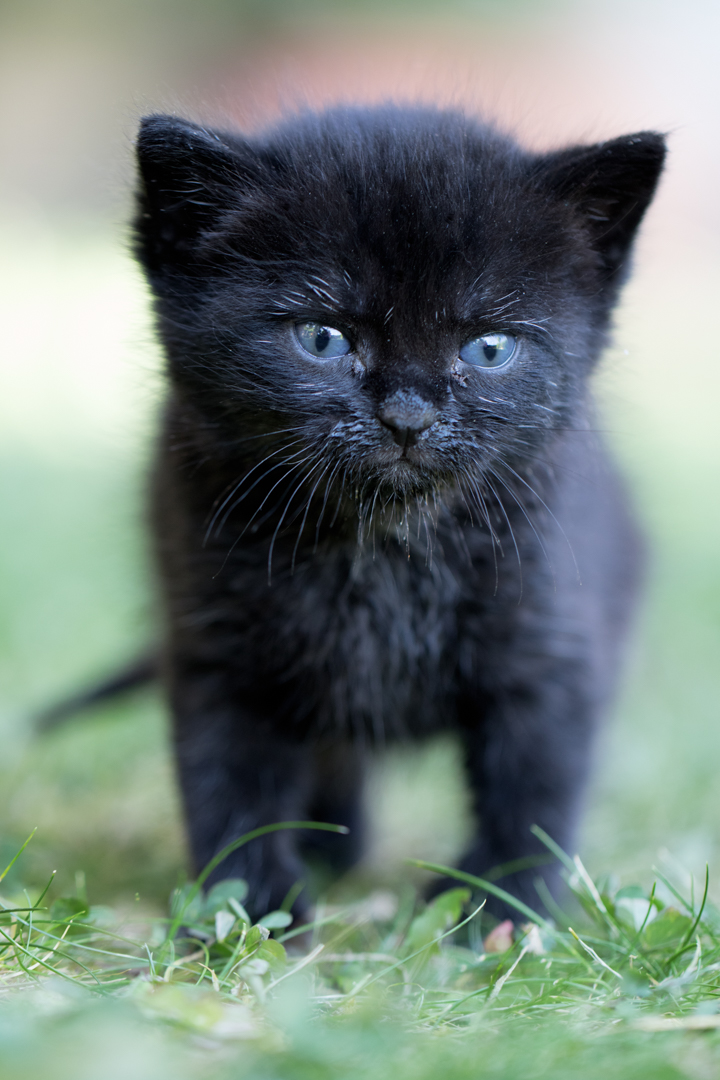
x=189, y=176
x=611, y=184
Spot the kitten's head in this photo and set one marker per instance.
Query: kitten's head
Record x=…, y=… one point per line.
x=413, y=296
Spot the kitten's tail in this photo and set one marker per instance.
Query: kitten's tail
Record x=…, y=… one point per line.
x=142, y=670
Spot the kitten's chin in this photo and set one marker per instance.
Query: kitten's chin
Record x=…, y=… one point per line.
x=403, y=479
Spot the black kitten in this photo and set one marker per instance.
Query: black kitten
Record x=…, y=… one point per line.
x=380, y=507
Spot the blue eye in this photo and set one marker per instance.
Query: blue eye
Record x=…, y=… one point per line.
x=489, y=351
x=323, y=342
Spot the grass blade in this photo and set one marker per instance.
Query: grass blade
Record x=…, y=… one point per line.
x=486, y=886
x=12, y=862
x=686, y=940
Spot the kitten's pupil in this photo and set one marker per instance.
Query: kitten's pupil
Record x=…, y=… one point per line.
x=322, y=339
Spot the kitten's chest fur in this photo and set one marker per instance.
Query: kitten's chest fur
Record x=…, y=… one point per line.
x=366, y=641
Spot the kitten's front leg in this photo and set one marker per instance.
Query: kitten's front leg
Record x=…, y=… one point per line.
x=528, y=760
x=238, y=772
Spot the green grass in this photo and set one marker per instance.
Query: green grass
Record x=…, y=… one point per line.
x=385, y=986
x=76, y=416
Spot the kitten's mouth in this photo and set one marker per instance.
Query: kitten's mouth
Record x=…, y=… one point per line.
x=407, y=462
x=412, y=451
x=398, y=469
x=412, y=459
x=409, y=473
x=407, y=459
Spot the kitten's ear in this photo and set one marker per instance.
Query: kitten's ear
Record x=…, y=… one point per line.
x=189, y=177
x=611, y=184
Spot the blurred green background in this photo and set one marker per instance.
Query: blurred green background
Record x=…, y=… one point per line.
x=80, y=390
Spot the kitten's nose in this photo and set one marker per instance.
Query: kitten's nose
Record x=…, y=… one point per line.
x=406, y=414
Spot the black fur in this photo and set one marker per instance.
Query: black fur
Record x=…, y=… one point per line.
x=392, y=543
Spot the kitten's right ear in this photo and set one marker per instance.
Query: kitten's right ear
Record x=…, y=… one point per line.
x=610, y=185
x=189, y=176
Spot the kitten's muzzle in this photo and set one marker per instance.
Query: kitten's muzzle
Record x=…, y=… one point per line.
x=406, y=414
